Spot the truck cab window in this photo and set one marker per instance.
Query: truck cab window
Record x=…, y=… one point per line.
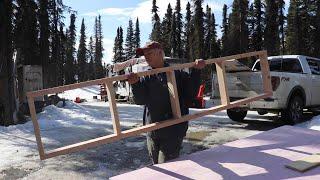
x=257, y=66
x=291, y=65
x=314, y=66
x=275, y=65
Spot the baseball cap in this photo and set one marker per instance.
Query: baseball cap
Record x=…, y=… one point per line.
x=149, y=45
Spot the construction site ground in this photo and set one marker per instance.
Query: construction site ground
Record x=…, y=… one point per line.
x=74, y=123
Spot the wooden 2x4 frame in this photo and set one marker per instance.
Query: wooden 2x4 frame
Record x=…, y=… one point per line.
x=174, y=98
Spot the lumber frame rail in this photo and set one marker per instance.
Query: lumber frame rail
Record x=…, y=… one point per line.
x=174, y=98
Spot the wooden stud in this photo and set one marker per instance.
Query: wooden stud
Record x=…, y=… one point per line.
x=113, y=108
x=173, y=92
x=265, y=73
x=223, y=89
x=226, y=104
x=36, y=127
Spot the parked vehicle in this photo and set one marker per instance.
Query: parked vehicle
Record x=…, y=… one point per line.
x=295, y=83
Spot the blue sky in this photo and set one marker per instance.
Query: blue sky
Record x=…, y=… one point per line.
x=116, y=13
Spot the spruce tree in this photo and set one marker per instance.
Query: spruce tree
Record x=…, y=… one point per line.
x=55, y=54
x=258, y=25
x=98, y=49
x=251, y=26
x=70, y=52
x=137, y=35
x=55, y=57
x=156, y=24
x=130, y=44
x=187, y=33
x=101, y=46
x=237, y=40
x=82, y=54
x=178, y=29
x=198, y=34
x=219, y=48
x=282, y=18
x=44, y=39
x=27, y=33
x=206, y=72
x=244, y=34
x=293, y=28
x=7, y=98
x=58, y=43
x=271, y=35
x=166, y=28
x=91, y=65
x=115, y=47
x=173, y=38
x=31, y=33
x=224, y=29
x=118, y=47
x=211, y=47
x=215, y=50
x=62, y=57
x=305, y=38
x=299, y=30
x=208, y=32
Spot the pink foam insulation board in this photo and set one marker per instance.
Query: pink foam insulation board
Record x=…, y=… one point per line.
x=262, y=156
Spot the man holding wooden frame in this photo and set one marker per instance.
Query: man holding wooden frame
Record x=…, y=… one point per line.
x=118, y=134
x=153, y=92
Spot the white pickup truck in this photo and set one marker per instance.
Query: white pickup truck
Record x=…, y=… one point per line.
x=295, y=83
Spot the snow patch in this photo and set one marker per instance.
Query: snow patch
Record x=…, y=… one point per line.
x=63, y=126
x=314, y=123
x=86, y=93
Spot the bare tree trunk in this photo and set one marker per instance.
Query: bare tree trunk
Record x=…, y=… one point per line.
x=7, y=98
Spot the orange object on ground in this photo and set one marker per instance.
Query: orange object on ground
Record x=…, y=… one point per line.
x=78, y=100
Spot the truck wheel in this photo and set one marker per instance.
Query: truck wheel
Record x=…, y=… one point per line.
x=236, y=114
x=262, y=112
x=294, y=112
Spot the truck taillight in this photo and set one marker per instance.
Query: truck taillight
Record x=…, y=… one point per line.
x=275, y=82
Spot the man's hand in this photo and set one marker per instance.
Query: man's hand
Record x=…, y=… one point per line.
x=133, y=78
x=200, y=64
